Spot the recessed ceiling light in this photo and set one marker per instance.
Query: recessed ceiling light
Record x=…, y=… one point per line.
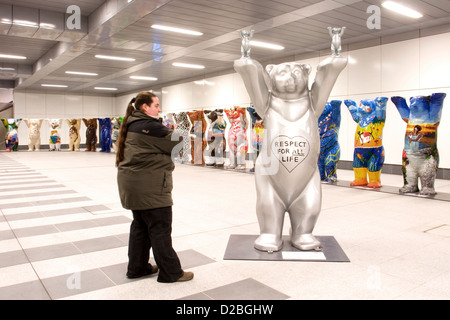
x=266, y=45
x=177, y=30
x=188, y=65
x=99, y=56
x=54, y=85
x=82, y=73
x=401, y=9
x=9, y=56
x=143, y=78
x=107, y=89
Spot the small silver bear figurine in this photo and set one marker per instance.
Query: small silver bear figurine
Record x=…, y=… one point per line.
x=246, y=36
x=336, y=34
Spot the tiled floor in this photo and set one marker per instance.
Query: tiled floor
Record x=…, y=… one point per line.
x=64, y=234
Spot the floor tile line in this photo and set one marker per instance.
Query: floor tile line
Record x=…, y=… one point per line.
x=12, y=183
x=26, y=256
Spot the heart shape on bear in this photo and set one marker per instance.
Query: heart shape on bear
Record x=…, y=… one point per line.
x=290, y=152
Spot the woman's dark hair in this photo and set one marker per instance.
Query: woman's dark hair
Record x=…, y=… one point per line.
x=135, y=104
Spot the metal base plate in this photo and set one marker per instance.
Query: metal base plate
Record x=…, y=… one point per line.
x=241, y=247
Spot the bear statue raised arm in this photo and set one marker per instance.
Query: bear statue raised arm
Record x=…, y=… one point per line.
x=286, y=172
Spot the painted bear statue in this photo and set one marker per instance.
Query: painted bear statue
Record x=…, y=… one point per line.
x=257, y=133
x=420, y=158
x=12, y=136
x=168, y=120
x=115, y=130
x=74, y=134
x=34, y=133
x=287, y=176
x=183, y=127
x=330, y=151
x=237, y=137
x=91, y=134
x=105, y=134
x=198, y=139
x=215, y=137
x=54, y=142
x=368, y=156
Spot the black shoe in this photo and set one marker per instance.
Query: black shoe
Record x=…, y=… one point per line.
x=150, y=270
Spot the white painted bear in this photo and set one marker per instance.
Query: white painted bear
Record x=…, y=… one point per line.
x=34, y=133
x=286, y=173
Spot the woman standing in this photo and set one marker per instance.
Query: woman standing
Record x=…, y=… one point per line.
x=145, y=186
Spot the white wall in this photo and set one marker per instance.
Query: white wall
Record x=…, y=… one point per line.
x=6, y=95
x=31, y=105
x=413, y=67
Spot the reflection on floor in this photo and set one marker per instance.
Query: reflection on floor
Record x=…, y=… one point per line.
x=64, y=235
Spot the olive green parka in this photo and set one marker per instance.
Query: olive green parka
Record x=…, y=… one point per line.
x=144, y=177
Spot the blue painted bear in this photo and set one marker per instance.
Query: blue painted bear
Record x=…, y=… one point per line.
x=105, y=134
x=330, y=151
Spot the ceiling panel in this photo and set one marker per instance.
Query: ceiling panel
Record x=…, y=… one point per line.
x=123, y=28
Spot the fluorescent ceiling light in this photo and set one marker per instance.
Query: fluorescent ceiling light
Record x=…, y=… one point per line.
x=143, y=78
x=25, y=23
x=7, y=69
x=266, y=45
x=54, y=85
x=204, y=82
x=177, y=30
x=82, y=73
x=99, y=56
x=107, y=89
x=47, y=25
x=396, y=7
x=9, y=56
x=187, y=65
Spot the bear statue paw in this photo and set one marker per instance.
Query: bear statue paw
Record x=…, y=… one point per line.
x=374, y=184
x=305, y=242
x=268, y=242
x=358, y=182
x=409, y=189
x=427, y=191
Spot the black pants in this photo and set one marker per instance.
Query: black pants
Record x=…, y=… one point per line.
x=153, y=229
